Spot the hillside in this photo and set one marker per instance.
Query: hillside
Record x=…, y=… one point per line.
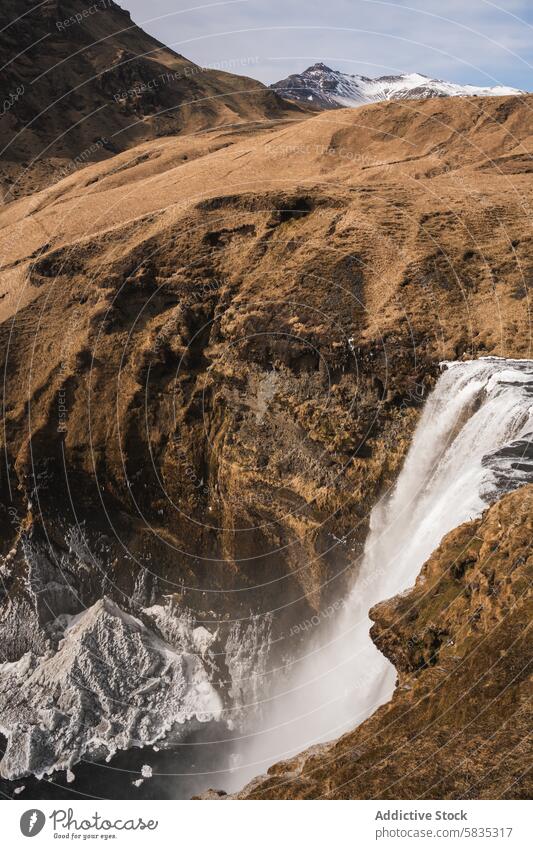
x=215, y=349
x=82, y=82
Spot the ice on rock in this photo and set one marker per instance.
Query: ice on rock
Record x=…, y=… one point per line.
x=111, y=684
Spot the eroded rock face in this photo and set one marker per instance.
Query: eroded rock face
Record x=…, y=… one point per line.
x=457, y=725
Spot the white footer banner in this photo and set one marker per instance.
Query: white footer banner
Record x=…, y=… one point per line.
x=233, y=824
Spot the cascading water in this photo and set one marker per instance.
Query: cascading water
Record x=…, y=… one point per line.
x=472, y=444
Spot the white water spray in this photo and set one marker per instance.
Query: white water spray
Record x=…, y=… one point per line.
x=473, y=443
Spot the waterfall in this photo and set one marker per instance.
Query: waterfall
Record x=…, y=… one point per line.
x=472, y=444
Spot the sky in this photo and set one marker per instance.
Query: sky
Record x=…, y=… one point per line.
x=464, y=41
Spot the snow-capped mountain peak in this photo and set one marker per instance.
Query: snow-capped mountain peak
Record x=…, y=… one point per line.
x=326, y=88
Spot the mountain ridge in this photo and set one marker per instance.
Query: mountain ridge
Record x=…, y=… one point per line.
x=325, y=88
x=81, y=87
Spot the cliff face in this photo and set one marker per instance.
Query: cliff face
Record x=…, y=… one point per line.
x=458, y=724
x=215, y=349
x=81, y=82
